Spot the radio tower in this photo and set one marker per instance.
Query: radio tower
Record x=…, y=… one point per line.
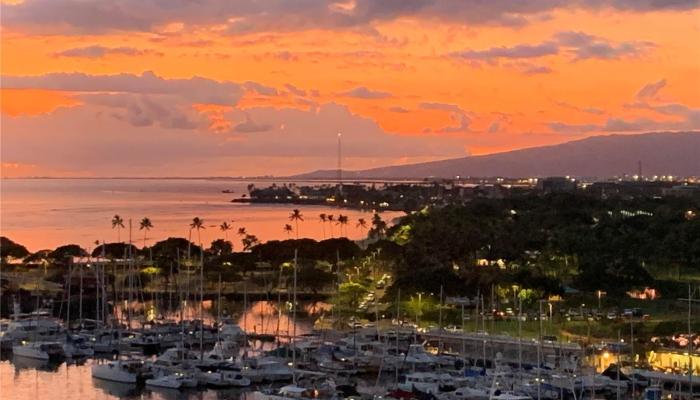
x=639, y=169
x=340, y=163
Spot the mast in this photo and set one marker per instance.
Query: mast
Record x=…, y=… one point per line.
x=131, y=279
x=440, y=321
x=619, y=340
x=634, y=392
x=520, y=338
x=539, y=352
x=97, y=293
x=340, y=164
x=398, y=322
x=201, y=300
x=70, y=276
x=80, y=298
x=102, y=287
x=218, y=313
x=690, y=343
x=294, y=317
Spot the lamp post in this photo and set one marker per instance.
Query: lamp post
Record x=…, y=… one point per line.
x=420, y=309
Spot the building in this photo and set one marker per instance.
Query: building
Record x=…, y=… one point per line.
x=556, y=184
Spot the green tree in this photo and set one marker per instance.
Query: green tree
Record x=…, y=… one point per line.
x=378, y=227
x=249, y=241
x=8, y=249
x=221, y=247
x=348, y=298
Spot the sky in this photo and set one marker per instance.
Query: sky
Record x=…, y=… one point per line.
x=96, y=88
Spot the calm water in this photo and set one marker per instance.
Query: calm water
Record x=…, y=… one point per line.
x=46, y=213
x=26, y=379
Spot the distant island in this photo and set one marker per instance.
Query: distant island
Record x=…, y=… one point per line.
x=659, y=153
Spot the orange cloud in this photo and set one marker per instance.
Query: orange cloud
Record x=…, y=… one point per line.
x=27, y=102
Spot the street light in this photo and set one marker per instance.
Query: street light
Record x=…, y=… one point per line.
x=600, y=294
x=420, y=309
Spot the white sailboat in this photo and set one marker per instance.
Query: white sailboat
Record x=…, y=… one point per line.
x=39, y=350
x=124, y=371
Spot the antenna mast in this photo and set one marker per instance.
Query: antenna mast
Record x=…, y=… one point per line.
x=340, y=163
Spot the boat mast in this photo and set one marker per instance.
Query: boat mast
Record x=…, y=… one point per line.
x=398, y=322
x=520, y=339
x=690, y=343
x=294, y=318
x=131, y=279
x=70, y=279
x=539, y=352
x=80, y=298
x=201, y=301
x=218, y=313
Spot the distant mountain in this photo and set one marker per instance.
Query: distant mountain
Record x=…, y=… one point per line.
x=661, y=153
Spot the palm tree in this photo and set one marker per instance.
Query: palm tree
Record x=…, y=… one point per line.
x=242, y=231
x=378, y=227
x=197, y=224
x=331, y=218
x=146, y=226
x=249, y=241
x=118, y=222
x=225, y=227
x=323, y=218
x=361, y=223
x=288, y=229
x=343, y=222
x=296, y=217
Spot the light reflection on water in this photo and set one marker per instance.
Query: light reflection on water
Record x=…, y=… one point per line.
x=42, y=213
x=262, y=317
x=27, y=379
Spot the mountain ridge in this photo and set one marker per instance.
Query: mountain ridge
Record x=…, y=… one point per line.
x=661, y=153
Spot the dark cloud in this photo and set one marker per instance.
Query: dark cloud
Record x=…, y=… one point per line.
x=97, y=16
x=93, y=141
x=588, y=110
x=440, y=106
x=398, y=109
x=193, y=90
x=519, y=51
x=579, y=45
x=295, y=90
x=250, y=126
x=365, y=93
x=691, y=121
x=585, y=46
x=495, y=127
x=98, y=51
x=141, y=110
x=460, y=120
x=651, y=89
x=535, y=69
x=260, y=89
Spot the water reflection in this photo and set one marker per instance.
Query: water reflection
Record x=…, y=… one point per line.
x=29, y=379
x=260, y=317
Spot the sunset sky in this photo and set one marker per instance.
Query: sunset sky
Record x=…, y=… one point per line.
x=245, y=87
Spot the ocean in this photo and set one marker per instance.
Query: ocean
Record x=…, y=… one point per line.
x=46, y=213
